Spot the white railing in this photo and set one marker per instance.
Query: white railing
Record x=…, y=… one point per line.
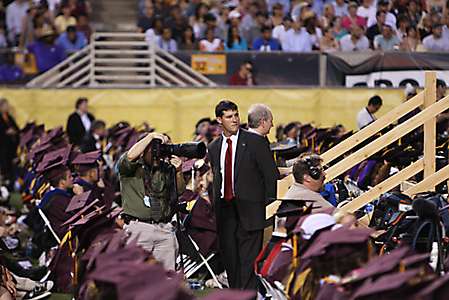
x=121, y=60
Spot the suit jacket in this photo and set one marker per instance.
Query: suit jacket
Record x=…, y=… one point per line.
x=255, y=176
x=75, y=128
x=88, y=143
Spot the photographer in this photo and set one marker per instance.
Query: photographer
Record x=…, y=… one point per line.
x=244, y=76
x=147, y=185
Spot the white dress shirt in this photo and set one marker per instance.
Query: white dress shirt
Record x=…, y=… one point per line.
x=364, y=117
x=224, y=146
x=87, y=123
x=297, y=42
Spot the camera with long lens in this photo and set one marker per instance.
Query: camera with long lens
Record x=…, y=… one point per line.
x=188, y=150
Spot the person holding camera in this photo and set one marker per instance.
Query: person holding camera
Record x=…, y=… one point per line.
x=149, y=196
x=244, y=76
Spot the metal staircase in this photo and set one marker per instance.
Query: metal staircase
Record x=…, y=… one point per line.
x=124, y=60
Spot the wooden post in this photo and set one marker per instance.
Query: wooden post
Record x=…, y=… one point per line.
x=430, y=126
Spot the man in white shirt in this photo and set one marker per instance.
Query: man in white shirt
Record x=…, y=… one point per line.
x=15, y=12
x=341, y=8
x=166, y=42
x=435, y=41
x=279, y=31
x=354, y=41
x=445, y=33
x=260, y=119
x=366, y=115
x=297, y=39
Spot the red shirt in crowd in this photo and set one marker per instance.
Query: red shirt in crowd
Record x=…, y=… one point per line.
x=237, y=80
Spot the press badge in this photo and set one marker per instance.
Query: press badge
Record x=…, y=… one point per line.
x=146, y=201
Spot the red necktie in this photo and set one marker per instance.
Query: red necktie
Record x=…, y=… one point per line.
x=228, y=194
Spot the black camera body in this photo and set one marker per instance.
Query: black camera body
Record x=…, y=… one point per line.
x=188, y=150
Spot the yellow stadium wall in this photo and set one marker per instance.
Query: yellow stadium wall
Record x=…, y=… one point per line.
x=176, y=111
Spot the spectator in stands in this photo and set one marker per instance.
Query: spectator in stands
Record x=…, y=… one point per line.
x=211, y=22
x=317, y=6
x=83, y=25
x=424, y=27
x=197, y=21
x=442, y=118
x=337, y=28
x=316, y=34
x=210, y=43
x=436, y=42
x=366, y=10
x=234, y=18
x=410, y=42
x=166, y=42
x=252, y=33
x=402, y=26
x=390, y=18
x=341, y=8
x=160, y=9
x=328, y=43
x=178, y=27
x=188, y=41
x=249, y=20
x=235, y=41
x=328, y=15
x=386, y=40
x=76, y=7
x=272, y=4
x=72, y=39
x=146, y=21
x=352, y=17
x=3, y=40
x=376, y=28
x=93, y=141
x=412, y=12
x=27, y=35
x=280, y=30
x=11, y=73
x=188, y=10
x=38, y=24
x=79, y=123
x=266, y=42
x=277, y=17
x=299, y=9
x=15, y=12
x=297, y=39
x=64, y=20
x=156, y=31
x=355, y=41
x=244, y=76
x=45, y=51
x=366, y=115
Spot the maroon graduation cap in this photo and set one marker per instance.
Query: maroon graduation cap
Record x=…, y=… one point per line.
x=87, y=161
x=78, y=201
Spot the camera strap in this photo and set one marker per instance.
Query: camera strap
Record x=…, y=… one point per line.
x=153, y=197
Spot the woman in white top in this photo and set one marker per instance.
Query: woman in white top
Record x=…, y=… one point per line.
x=210, y=43
x=328, y=15
x=197, y=20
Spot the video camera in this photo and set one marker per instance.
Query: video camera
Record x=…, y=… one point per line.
x=188, y=150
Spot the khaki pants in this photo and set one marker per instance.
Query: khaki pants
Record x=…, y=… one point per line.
x=159, y=239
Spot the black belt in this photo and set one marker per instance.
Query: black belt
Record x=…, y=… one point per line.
x=129, y=218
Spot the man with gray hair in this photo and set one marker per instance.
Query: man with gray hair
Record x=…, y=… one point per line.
x=260, y=119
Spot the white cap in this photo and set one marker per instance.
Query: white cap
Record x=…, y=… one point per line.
x=234, y=14
x=315, y=222
x=408, y=89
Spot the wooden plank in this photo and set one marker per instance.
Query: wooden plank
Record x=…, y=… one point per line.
x=384, y=186
x=430, y=126
x=387, y=139
x=282, y=187
x=373, y=128
x=429, y=182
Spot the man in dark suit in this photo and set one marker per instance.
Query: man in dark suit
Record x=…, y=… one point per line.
x=245, y=177
x=9, y=139
x=79, y=123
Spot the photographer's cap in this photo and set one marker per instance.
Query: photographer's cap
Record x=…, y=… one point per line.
x=87, y=161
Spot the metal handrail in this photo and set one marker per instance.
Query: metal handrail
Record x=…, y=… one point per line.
x=128, y=59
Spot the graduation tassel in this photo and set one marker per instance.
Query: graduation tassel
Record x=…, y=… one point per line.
x=295, y=250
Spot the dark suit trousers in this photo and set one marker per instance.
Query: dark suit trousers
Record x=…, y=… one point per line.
x=239, y=248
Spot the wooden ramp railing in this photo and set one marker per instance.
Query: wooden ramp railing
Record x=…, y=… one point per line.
x=426, y=117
